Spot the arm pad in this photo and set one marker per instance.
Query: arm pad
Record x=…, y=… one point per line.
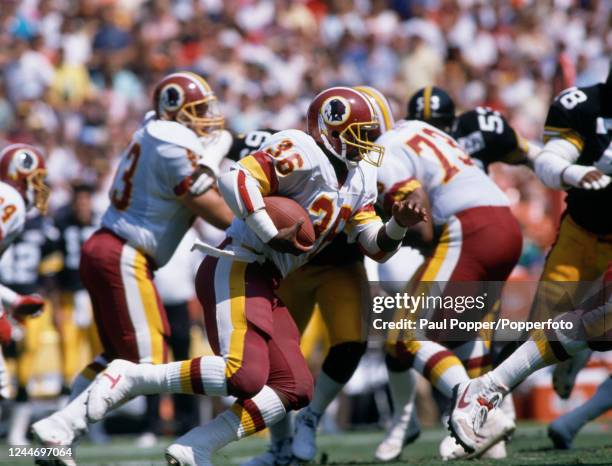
x=556, y=156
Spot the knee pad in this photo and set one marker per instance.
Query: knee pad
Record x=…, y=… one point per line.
x=342, y=360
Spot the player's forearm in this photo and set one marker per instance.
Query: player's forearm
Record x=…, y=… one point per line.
x=551, y=164
x=380, y=244
x=211, y=207
x=244, y=198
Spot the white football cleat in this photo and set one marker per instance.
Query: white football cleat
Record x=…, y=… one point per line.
x=304, y=445
x=404, y=430
x=111, y=388
x=53, y=431
x=451, y=450
x=565, y=373
x=278, y=454
x=473, y=402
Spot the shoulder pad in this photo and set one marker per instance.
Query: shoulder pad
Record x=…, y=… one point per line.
x=175, y=133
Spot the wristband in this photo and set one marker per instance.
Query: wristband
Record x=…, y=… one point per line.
x=394, y=230
x=263, y=226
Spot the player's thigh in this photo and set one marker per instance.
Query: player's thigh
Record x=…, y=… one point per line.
x=343, y=298
x=237, y=299
x=297, y=292
x=570, y=264
x=573, y=257
x=128, y=312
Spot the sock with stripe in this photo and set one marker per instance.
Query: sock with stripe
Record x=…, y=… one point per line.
x=438, y=365
x=87, y=375
x=204, y=375
x=475, y=356
x=534, y=354
x=244, y=418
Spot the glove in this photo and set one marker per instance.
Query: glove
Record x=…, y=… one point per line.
x=216, y=147
x=201, y=180
x=5, y=330
x=30, y=305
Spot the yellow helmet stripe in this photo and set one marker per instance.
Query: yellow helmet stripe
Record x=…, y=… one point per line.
x=206, y=88
x=384, y=107
x=427, y=102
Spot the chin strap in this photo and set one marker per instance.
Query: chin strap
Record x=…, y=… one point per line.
x=342, y=157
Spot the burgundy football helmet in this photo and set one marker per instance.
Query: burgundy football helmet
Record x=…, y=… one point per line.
x=187, y=98
x=345, y=123
x=23, y=167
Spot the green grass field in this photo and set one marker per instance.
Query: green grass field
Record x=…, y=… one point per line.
x=530, y=446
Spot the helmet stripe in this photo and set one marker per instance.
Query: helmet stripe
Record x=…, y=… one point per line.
x=381, y=103
x=427, y=103
x=199, y=80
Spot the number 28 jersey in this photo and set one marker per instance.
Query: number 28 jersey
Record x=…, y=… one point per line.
x=416, y=152
x=154, y=173
x=582, y=117
x=290, y=164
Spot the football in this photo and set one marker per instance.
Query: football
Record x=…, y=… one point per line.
x=285, y=212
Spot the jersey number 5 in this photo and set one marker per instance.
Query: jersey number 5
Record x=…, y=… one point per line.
x=121, y=196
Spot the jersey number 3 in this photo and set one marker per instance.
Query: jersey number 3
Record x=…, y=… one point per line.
x=121, y=196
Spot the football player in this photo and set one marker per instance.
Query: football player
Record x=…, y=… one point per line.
x=163, y=181
x=588, y=327
x=331, y=172
x=577, y=157
x=483, y=133
x=75, y=222
x=474, y=219
x=27, y=267
x=334, y=281
x=22, y=187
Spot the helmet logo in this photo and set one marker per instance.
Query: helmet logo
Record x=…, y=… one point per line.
x=336, y=111
x=25, y=162
x=171, y=98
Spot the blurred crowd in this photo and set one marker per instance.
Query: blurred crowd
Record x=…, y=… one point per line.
x=76, y=76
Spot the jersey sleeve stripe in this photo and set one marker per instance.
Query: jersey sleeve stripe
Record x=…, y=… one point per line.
x=399, y=191
x=261, y=168
x=183, y=186
x=365, y=215
x=552, y=132
x=244, y=192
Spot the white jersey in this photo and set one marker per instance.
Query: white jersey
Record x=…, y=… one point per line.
x=12, y=215
x=154, y=173
x=290, y=164
x=418, y=152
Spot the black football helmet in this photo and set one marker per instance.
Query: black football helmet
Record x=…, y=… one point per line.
x=434, y=106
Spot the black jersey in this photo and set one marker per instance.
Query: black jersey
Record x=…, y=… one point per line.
x=30, y=258
x=488, y=137
x=339, y=251
x=577, y=115
x=245, y=143
x=71, y=236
